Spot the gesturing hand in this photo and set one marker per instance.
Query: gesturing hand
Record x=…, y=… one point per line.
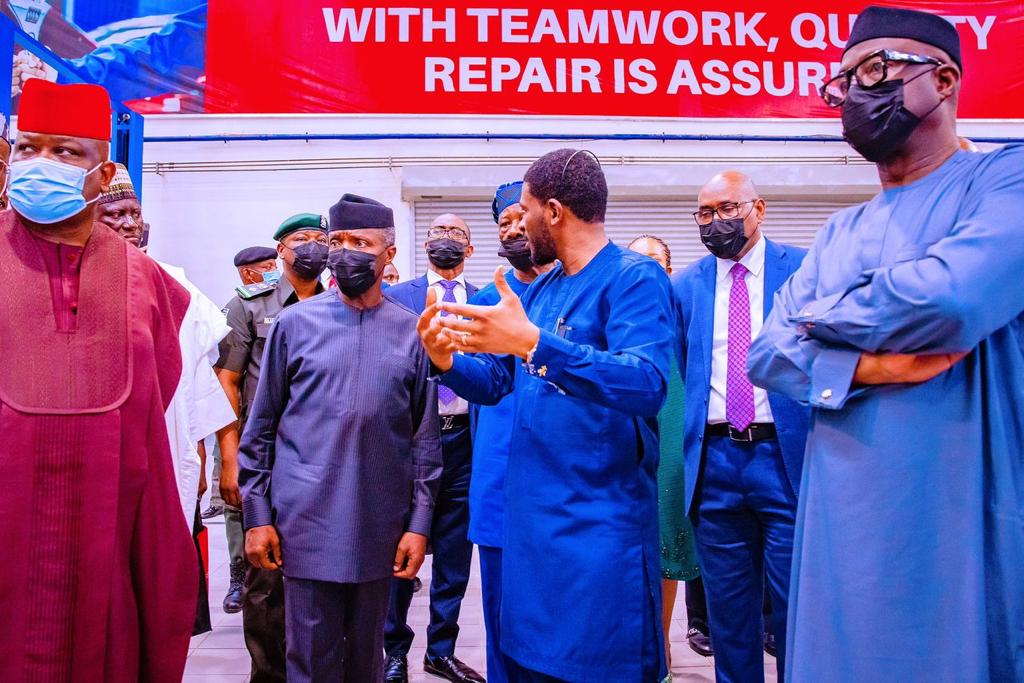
x=409, y=557
x=440, y=347
x=500, y=329
x=263, y=547
x=899, y=368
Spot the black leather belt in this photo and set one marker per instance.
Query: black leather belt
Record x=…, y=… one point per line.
x=452, y=422
x=759, y=431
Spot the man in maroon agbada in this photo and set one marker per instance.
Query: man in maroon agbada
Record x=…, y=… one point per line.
x=98, y=581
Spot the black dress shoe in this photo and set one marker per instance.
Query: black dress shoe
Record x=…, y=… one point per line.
x=699, y=641
x=211, y=511
x=233, y=600
x=396, y=670
x=769, y=644
x=451, y=669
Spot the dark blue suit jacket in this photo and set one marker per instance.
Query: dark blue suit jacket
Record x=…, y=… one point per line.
x=413, y=293
x=694, y=292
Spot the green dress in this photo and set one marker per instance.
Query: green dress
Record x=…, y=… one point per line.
x=678, y=552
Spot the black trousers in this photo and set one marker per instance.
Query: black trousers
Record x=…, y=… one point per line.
x=335, y=631
x=263, y=624
x=453, y=555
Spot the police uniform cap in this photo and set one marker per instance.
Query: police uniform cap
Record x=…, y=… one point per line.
x=254, y=255
x=301, y=221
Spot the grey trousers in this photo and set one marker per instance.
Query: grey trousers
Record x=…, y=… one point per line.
x=335, y=631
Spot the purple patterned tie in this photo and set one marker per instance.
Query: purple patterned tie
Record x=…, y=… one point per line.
x=739, y=392
x=444, y=394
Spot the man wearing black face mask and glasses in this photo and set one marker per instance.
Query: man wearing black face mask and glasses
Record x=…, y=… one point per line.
x=903, y=331
x=302, y=246
x=448, y=246
x=743, y=447
x=341, y=457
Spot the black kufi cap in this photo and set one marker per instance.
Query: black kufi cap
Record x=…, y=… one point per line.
x=353, y=212
x=889, y=22
x=254, y=255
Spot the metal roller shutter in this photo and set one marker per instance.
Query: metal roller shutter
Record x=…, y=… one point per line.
x=790, y=221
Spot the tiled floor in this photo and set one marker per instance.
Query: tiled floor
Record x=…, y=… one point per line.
x=221, y=657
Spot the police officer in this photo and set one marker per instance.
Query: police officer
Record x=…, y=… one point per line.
x=302, y=247
x=254, y=264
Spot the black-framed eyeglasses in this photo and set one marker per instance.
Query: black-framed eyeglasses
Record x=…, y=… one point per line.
x=450, y=231
x=871, y=72
x=725, y=211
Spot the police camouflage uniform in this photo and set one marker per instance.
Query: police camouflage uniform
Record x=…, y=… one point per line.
x=250, y=316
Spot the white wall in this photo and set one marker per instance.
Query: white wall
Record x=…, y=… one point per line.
x=207, y=200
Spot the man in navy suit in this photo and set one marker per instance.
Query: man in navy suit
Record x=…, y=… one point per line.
x=743, y=446
x=448, y=246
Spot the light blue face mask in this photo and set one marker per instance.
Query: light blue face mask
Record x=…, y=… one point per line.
x=272, y=277
x=46, y=191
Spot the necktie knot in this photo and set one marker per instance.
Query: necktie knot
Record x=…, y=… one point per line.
x=738, y=271
x=448, y=285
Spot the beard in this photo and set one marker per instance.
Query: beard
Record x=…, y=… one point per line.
x=542, y=245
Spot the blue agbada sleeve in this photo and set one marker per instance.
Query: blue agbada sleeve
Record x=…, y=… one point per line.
x=631, y=376
x=481, y=378
x=784, y=360
x=256, y=450
x=959, y=291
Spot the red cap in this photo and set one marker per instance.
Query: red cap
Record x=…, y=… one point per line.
x=78, y=110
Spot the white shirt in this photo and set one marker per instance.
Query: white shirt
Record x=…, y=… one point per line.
x=459, y=406
x=199, y=406
x=754, y=262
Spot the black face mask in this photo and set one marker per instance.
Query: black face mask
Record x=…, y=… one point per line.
x=517, y=251
x=724, y=237
x=310, y=259
x=446, y=253
x=354, y=271
x=875, y=122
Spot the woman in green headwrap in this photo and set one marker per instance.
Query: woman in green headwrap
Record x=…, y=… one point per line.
x=678, y=551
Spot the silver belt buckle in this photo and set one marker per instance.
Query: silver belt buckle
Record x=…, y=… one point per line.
x=745, y=436
x=447, y=422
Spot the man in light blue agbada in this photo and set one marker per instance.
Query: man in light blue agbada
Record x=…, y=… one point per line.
x=904, y=330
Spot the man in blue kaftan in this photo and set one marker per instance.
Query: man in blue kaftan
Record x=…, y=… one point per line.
x=904, y=330
x=587, y=350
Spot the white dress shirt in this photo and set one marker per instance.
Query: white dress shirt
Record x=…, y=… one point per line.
x=199, y=406
x=459, y=406
x=754, y=262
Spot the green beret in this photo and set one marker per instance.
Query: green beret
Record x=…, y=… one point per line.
x=302, y=221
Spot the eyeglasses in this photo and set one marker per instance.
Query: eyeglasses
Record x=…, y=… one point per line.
x=724, y=211
x=871, y=72
x=441, y=231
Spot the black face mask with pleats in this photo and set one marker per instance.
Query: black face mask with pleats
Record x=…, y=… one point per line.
x=724, y=237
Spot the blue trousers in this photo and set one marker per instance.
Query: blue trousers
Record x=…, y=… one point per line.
x=335, y=630
x=453, y=555
x=490, y=586
x=744, y=522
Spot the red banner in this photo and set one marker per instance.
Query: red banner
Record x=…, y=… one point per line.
x=712, y=59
